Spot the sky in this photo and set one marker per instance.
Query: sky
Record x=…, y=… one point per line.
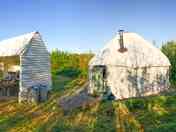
x=84, y=25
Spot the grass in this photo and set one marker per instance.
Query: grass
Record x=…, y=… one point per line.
x=151, y=114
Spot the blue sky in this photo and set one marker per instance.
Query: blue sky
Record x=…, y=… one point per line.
x=83, y=25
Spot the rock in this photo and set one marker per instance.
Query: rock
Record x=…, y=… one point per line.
x=78, y=99
x=23, y=96
x=43, y=93
x=34, y=94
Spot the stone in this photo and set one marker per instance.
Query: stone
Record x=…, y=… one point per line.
x=79, y=98
x=34, y=94
x=43, y=93
x=23, y=96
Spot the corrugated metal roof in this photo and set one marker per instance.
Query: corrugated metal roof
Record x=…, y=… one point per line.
x=15, y=46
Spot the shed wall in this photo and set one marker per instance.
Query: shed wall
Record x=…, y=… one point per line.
x=35, y=65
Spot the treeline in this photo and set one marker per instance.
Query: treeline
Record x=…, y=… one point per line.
x=70, y=64
x=169, y=49
x=74, y=64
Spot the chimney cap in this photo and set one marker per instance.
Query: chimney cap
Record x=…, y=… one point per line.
x=121, y=30
x=121, y=42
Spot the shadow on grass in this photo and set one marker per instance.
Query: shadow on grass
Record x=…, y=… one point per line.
x=12, y=121
x=157, y=113
x=105, y=118
x=89, y=119
x=152, y=114
x=59, y=83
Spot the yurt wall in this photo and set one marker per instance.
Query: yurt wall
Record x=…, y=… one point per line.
x=135, y=82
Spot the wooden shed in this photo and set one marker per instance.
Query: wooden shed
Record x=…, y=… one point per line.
x=25, y=68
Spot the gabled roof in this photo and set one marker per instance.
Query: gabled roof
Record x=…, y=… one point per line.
x=15, y=46
x=140, y=53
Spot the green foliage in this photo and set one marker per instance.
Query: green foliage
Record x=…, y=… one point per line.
x=169, y=49
x=1, y=74
x=70, y=64
x=136, y=104
x=106, y=118
x=59, y=83
x=69, y=72
x=150, y=114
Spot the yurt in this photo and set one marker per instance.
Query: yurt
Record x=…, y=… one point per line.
x=25, y=68
x=128, y=66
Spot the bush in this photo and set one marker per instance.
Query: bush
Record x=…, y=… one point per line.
x=70, y=64
x=1, y=75
x=135, y=104
x=69, y=72
x=169, y=49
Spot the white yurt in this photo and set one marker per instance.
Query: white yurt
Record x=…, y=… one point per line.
x=128, y=66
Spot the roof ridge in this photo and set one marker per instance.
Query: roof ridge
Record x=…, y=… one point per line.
x=15, y=45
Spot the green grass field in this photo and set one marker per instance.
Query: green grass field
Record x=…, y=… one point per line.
x=151, y=114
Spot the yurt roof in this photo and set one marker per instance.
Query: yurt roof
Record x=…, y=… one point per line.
x=140, y=53
x=15, y=46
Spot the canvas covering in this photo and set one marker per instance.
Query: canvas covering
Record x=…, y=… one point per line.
x=140, y=53
x=140, y=71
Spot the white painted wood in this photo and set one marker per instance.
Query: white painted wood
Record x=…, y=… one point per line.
x=34, y=61
x=35, y=64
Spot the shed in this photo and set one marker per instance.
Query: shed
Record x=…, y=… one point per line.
x=25, y=61
x=128, y=66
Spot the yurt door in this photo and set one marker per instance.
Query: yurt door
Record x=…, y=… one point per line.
x=98, y=77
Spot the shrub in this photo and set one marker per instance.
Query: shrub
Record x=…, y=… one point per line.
x=70, y=72
x=169, y=49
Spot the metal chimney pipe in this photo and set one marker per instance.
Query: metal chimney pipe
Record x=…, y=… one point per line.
x=121, y=39
x=121, y=42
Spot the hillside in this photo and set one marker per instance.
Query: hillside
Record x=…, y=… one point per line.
x=152, y=114
x=69, y=71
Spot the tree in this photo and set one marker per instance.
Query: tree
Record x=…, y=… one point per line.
x=70, y=64
x=169, y=49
